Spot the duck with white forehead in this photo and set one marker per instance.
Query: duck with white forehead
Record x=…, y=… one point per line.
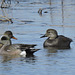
x=7, y=48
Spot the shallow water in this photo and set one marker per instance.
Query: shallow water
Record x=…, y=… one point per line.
x=28, y=25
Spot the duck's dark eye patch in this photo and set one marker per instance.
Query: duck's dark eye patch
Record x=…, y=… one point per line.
x=4, y=38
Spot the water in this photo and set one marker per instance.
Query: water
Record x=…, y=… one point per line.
x=28, y=25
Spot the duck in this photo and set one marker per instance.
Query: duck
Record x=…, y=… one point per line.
x=55, y=40
x=7, y=48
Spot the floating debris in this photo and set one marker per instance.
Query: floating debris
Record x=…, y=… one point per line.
x=6, y=20
x=40, y=11
x=4, y=4
x=46, y=12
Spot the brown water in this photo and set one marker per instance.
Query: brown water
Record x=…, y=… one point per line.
x=28, y=25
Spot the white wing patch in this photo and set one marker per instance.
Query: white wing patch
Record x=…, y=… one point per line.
x=8, y=50
x=23, y=53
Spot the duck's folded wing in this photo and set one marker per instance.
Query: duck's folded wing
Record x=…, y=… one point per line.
x=65, y=39
x=27, y=45
x=64, y=42
x=22, y=47
x=29, y=48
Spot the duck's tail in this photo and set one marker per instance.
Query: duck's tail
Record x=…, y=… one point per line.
x=31, y=50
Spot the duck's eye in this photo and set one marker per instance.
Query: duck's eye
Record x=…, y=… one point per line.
x=4, y=38
x=48, y=32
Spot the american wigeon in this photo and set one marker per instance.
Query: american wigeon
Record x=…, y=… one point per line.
x=55, y=40
x=7, y=48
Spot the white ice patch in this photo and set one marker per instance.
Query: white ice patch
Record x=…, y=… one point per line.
x=23, y=53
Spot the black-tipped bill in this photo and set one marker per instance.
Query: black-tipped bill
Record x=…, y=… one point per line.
x=43, y=36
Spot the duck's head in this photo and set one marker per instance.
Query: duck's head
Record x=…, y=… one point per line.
x=9, y=34
x=51, y=33
x=6, y=38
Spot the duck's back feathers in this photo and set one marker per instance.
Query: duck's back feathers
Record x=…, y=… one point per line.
x=29, y=48
x=6, y=46
x=60, y=42
x=64, y=42
x=65, y=39
x=26, y=45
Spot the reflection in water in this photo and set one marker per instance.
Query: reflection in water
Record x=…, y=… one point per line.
x=62, y=4
x=6, y=58
x=51, y=13
x=51, y=49
x=54, y=49
x=11, y=66
x=60, y=15
x=3, y=12
x=28, y=58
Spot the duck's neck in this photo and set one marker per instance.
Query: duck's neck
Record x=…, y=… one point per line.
x=8, y=42
x=5, y=40
x=52, y=38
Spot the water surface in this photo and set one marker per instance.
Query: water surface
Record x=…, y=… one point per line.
x=28, y=25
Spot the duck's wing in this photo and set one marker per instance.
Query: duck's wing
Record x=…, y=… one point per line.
x=64, y=42
x=29, y=48
x=22, y=47
x=27, y=45
x=65, y=39
x=19, y=46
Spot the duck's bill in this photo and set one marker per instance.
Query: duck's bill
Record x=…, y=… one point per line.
x=43, y=36
x=14, y=38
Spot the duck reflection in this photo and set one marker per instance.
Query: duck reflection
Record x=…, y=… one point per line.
x=6, y=58
x=28, y=58
x=51, y=49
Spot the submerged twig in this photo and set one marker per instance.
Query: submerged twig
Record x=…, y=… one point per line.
x=5, y=19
